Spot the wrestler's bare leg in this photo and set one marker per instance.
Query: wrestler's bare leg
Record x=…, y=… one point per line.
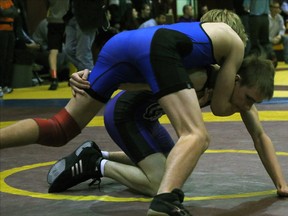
x=185, y=115
x=22, y=133
x=81, y=107
x=120, y=157
x=143, y=178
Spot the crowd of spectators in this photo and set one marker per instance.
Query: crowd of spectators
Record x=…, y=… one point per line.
x=123, y=15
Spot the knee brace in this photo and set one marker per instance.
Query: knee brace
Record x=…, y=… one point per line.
x=58, y=130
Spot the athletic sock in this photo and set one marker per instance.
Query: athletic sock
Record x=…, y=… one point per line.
x=53, y=74
x=105, y=154
x=102, y=165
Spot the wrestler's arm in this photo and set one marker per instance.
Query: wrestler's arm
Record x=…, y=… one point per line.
x=220, y=104
x=78, y=82
x=265, y=149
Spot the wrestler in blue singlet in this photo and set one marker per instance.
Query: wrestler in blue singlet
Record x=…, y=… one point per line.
x=132, y=121
x=158, y=56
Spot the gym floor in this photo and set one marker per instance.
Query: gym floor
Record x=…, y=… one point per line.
x=229, y=179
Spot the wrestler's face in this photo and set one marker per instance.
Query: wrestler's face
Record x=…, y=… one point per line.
x=161, y=20
x=244, y=97
x=146, y=11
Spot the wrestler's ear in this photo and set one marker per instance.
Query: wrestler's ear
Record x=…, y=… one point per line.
x=237, y=78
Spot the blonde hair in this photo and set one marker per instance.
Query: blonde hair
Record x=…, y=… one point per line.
x=228, y=17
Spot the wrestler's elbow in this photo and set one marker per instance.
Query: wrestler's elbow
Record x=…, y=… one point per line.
x=224, y=110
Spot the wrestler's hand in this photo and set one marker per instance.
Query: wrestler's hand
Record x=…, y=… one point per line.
x=78, y=82
x=283, y=192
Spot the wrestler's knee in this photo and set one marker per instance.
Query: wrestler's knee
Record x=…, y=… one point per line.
x=199, y=138
x=58, y=130
x=203, y=139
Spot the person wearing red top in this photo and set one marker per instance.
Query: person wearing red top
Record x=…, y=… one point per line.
x=7, y=41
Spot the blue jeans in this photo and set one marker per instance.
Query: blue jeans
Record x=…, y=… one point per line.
x=78, y=46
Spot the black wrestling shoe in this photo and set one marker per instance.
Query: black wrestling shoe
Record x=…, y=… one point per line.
x=54, y=85
x=81, y=165
x=168, y=204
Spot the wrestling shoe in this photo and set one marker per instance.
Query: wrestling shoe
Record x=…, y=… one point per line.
x=81, y=165
x=54, y=85
x=168, y=204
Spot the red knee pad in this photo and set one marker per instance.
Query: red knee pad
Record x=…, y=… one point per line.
x=58, y=130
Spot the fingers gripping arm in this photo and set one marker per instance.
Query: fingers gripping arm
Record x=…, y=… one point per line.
x=78, y=82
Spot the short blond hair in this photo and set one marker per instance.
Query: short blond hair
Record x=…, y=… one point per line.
x=228, y=17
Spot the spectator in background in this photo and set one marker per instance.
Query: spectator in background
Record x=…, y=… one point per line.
x=23, y=39
x=139, y=3
x=259, y=28
x=159, y=19
x=8, y=12
x=145, y=13
x=40, y=37
x=130, y=19
x=203, y=9
x=187, y=14
x=78, y=46
x=277, y=29
x=104, y=35
x=284, y=10
x=40, y=34
x=118, y=9
x=79, y=40
x=161, y=5
x=25, y=49
x=85, y=19
x=56, y=29
x=244, y=16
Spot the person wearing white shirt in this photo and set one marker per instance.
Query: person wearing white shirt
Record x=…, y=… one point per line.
x=159, y=19
x=277, y=29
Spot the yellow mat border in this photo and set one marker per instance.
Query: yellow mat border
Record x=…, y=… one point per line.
x=272, y=115
x=6, y=188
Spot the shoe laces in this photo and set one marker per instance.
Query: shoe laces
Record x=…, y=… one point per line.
x=95, y=181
